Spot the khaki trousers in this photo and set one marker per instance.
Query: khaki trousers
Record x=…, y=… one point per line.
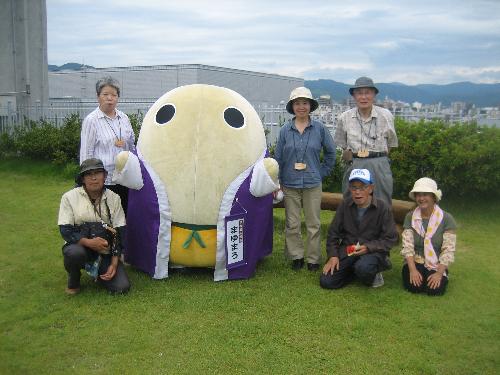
x=310, y=200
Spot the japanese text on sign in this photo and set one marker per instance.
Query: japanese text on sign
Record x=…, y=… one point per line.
x=235, y=241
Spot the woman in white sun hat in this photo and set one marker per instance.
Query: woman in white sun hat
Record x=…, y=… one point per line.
x=429, y=241
x=300, y=143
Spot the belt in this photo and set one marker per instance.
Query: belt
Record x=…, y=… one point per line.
x=371, y=154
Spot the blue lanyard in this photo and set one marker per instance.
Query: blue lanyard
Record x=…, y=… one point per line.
x=119, y=127
x=307, y=144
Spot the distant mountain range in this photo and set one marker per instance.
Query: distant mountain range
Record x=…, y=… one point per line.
x=68, y=66
x=480, y=94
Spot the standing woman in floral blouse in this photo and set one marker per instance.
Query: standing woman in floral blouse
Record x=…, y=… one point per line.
x=106, y=132
x=429, y=241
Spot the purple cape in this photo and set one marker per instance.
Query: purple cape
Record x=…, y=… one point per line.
x=143, y=224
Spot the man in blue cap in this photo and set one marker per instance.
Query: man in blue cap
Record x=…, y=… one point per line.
x=359, y=237
x=366, y=134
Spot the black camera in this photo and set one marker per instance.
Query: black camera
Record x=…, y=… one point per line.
x=98, y=229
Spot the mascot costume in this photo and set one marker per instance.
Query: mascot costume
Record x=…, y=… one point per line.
x=200, y=185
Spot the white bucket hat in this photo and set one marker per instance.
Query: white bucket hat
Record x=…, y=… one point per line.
x=301, y=92
x=425, y=185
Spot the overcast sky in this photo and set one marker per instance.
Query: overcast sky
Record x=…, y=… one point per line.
x=436, y=41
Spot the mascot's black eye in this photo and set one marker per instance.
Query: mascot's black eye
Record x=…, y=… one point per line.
x=165, y=114
x=234, y=117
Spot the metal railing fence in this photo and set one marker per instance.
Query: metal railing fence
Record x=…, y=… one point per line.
x=272, y=116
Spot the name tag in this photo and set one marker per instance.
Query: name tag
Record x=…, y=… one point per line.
x=235, y=242
x=300, y=166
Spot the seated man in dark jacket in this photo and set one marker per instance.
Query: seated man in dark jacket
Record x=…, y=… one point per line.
x=360, y=237
x=92, y=222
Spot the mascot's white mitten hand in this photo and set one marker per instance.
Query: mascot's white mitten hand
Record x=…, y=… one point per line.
x=128, y=171
x=272, y=169
x=278, y=196
x=264, y=177
x=120, y=161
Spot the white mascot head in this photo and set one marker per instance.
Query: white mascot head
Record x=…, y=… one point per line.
x=201, y=153
x=199, y=138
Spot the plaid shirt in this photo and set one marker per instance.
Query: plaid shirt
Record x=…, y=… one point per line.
x=376, y=134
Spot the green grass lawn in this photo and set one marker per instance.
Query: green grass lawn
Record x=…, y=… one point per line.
x=278, y=322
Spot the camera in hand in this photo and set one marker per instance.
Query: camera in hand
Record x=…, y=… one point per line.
x=97, y=229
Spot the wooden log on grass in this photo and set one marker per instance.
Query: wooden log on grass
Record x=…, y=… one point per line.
x=330, y=201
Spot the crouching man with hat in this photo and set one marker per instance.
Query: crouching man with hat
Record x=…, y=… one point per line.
x=366, y=134
x=359, y=237
x=92, y=223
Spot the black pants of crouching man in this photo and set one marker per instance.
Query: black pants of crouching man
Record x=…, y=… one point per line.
x=364, y=267
x=75, y=257
x=423, y=288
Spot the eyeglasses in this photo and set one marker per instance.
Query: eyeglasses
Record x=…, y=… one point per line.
x=356, y=188
x=93, y=172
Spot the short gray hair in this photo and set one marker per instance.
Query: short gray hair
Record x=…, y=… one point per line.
x=107, y=81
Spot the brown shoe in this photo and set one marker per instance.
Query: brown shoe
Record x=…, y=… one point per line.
x=72, y=291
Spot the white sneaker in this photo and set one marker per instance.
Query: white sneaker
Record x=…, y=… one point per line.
x=378, y=281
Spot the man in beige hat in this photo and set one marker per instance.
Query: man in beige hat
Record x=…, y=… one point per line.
x=366, y=133
x=92, y=223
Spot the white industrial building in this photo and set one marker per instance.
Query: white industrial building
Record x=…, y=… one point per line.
x=151, y=82
x=74, y=91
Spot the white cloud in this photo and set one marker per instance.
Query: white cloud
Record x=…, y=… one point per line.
x=390, y=44
x=391, y=40
x=443, y=74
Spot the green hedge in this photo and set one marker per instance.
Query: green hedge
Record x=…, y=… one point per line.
x=42, y=140
x=463, y=158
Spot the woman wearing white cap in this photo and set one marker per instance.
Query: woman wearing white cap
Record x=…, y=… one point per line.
x=429, y=241
x=300, y=143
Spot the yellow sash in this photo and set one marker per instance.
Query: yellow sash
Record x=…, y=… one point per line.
x=193, y=248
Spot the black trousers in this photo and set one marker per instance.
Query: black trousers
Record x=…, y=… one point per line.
x=122, y=191
x=423, y=288
x=75, y=257
x=364, y=267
